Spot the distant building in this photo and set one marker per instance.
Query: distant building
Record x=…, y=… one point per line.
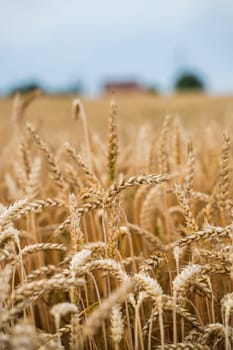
x=122, y=86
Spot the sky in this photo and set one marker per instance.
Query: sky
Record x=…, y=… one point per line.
x=59, y=43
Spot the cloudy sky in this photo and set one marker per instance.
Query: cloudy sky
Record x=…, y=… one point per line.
x=58, y=42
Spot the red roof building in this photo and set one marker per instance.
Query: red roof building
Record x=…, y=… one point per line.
x=124, y=87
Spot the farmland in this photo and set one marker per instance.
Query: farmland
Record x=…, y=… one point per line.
x=116, y=222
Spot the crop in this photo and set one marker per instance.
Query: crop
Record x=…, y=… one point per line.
x=122, y=244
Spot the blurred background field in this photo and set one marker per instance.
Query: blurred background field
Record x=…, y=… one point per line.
x=52, y=114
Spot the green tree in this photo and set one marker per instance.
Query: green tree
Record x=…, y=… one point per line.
x=25, y=88
x=189, y=81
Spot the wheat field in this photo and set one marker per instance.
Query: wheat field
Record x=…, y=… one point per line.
x=116, y=222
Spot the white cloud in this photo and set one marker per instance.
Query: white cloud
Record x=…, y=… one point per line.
x=28, y=22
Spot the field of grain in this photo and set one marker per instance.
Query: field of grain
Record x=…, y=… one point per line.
x=116, y=222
